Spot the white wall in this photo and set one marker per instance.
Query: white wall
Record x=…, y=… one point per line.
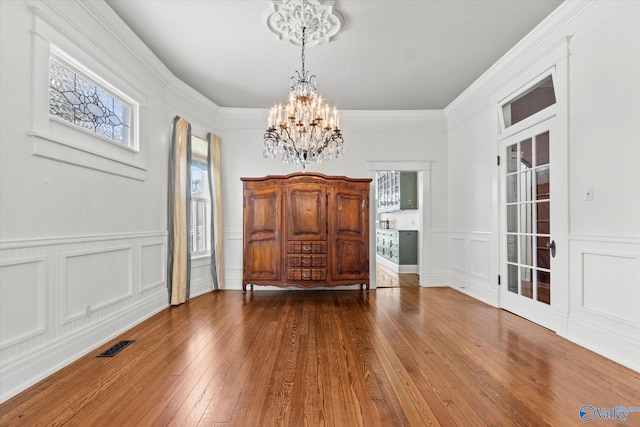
x=82, y=237
x=598, y=66
x=369, y=135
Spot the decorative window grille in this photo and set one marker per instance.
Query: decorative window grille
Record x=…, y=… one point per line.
x=79, y=100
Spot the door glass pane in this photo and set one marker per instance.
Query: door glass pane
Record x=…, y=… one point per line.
x=525, y=186
x=543, y=223
x=526, y=250
x=512, y=218
x=526, y=161
x=544, y=286
x=542, y=184
x=542, y=149
x=512, y=248
x=526, y=218
x=526, y=282
x=512, y=188
x=512, y=158
x=512, y=278
x=543, y=256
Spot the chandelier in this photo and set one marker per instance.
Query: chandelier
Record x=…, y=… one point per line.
x=306, y=130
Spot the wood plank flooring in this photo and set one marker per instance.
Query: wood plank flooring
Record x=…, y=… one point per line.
x=405, y=356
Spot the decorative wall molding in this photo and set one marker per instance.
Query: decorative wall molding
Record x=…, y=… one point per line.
x=529, y=50
x=161, y=260
x=604, y=294
x=67, y=240
x=53, y=148
x=95, y=279
x=74, y=294
x=18, y=373
x=286, y=18
x=23, y=287
x=469, y=266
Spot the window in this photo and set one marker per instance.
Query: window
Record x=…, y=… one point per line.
x=533, y=100
x=77, y=99
x=86, y=110
x=200, y=233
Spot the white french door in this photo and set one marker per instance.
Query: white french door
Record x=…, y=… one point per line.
x=530, y=186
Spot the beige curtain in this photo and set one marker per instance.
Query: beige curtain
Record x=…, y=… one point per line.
x=179, y=258
x=215, y=186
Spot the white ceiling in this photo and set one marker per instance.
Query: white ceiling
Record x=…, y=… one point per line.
x=389, y=55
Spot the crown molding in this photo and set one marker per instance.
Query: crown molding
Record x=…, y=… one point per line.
x=530, y=49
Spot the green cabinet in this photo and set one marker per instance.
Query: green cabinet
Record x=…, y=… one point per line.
x=396, y=190
x=398, y=246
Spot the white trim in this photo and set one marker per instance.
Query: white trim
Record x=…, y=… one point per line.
x=605, y=238
x=50, y=147
x=540, y=116
x=26, y=369
x=163, y=280
x=65, y=317
x=412, y=166
x=53, y=241
x=42, y=268
x=527, y=51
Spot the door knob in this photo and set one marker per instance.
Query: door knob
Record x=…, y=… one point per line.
x=552, y=247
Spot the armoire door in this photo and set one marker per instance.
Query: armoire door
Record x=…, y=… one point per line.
x=306, y=212
x=349, y=233
x=262, y=234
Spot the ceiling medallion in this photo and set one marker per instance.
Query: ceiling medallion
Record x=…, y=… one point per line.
x=287, y=18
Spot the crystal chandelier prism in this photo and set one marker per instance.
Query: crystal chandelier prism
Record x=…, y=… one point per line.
x=306, y=130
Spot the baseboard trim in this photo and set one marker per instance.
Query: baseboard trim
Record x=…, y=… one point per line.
x=22, y=372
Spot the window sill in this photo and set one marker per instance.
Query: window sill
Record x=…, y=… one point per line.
x=49, y=147
x=201, y=257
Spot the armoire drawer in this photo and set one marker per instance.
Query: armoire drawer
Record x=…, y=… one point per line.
x=306, y=261
x=307, y=247
x=303, y=274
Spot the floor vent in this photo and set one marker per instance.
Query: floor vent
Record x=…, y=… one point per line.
x=115, y=349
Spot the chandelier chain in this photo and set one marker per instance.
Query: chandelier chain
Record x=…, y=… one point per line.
x=303, y=30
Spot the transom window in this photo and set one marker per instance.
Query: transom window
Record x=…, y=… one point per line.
x=78, y=99
x=531, y=101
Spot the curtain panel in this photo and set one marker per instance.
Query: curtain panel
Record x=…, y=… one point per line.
x=215, y=186
x=179, y=213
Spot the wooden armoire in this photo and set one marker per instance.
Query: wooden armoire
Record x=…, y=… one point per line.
x=305, y=230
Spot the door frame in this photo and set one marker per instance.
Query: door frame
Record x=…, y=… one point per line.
x=556, y=63
x=530, y=309
x=424, y=212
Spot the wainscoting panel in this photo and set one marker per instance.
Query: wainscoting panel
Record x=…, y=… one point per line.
x=23, y=290
x=93, y=280
x=233, y=259
x=470, y=271
x=458, y=256
x=152, y=255
x=479, y=257
x=605, y=296
x=63, y=297
x=606, y=285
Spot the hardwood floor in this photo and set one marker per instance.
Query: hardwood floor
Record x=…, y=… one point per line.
x=406, y=356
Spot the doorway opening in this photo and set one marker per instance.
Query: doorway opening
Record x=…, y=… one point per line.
x=399, y=205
